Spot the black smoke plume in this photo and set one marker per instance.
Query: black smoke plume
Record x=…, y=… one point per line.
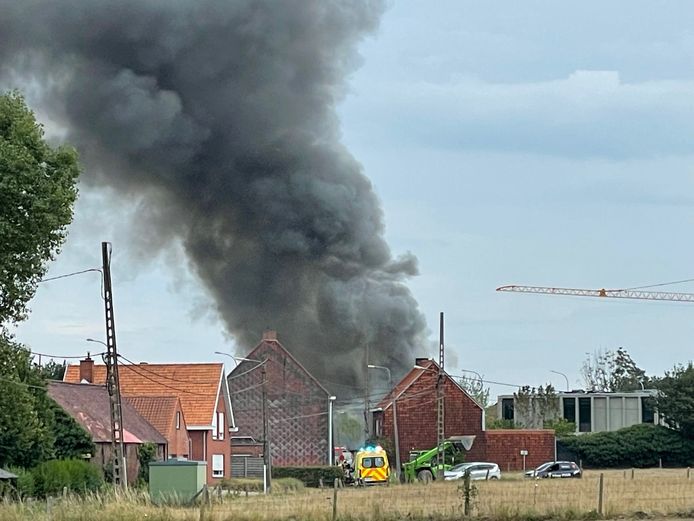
x=221, y=115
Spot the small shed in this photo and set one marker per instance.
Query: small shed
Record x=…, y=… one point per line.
x=175, y=479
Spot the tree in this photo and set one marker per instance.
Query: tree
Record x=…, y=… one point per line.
x=612, y=371
x=52, y=370
x=25, y=436
x=474, y=386
x=534, y=407
x=675, y=399
x=37, y=193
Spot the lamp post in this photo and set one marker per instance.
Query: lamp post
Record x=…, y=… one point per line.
x=267, y=470
x=395, y=419
x=97, y=341
x=562, y=374
x=331, y=443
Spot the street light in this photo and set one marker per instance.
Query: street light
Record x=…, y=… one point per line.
x=372, y=366
x=395, y=419
x=331, y=444
x=267, y=469
x=238, y=359
x=97, y=341
x=565, y=377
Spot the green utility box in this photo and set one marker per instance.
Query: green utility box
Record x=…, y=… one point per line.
x=176, y=480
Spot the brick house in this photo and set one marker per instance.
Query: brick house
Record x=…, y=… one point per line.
x=89, y=406
x=297, y=406
x=165, y=413
x=204, y=403
x=414, y=398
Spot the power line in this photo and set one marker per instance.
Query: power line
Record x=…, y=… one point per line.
x=661, y=284
x=64, y=357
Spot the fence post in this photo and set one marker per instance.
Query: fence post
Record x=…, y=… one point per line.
x=688, y=469
x=601, y=487
x=632, y=473
x=660, y=463
x=466, y=492
x=335, y=485
x=49, y=500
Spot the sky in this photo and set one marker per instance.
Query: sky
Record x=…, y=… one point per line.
x=544, y=143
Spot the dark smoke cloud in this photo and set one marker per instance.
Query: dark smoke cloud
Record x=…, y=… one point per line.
x=221, y=114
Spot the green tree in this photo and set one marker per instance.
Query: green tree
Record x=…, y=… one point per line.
x=71, y=440
x=534, y=407
x=612, y=371
x=52, y=370
x=37, y=193
x=675, y=399
x=26, y=419
x=474, y=386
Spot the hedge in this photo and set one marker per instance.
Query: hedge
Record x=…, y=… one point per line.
x=309, y=476
x=51, y=477
x=639, y=446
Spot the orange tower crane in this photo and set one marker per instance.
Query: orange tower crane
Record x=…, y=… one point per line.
x=635, y=293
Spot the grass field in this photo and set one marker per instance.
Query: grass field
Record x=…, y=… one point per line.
x=651, y=493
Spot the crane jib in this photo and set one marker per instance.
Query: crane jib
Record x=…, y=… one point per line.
x=602, y=293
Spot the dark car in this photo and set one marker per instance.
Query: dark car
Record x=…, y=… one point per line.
x=555, y=469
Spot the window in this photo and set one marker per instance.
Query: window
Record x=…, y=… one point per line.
x=507, y=408
x=647, y=410
x=217, y=465
x=584, y=415
x=570, y=409
x=178, y=420
x=215, y=429
x=378, y=462
x=220, y=425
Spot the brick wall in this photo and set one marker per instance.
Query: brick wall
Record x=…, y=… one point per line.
x=503, y=447
x=297, y=407
x=416, y=412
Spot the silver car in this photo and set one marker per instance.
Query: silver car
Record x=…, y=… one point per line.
x=477, y=469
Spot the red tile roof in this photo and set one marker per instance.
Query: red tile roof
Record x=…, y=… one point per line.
x=89, y=405
x=157, y=410
x=410, y=378
x=196, y=385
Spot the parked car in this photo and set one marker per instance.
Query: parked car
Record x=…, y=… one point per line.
x=555, y=469
x=477, y=469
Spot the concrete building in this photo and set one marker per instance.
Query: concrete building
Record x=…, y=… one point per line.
x=590, y=411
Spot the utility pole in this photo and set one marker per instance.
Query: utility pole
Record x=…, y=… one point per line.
x=397, y=437
x=267, y=461
x=439, y=404
x=367, y=406
x=112, y=382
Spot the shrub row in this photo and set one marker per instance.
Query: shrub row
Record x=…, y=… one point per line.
x=55, y=476
x=638, y=446
x=280, y=485
x=309, y=476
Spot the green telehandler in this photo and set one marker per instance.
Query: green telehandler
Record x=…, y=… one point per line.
x=423, y=467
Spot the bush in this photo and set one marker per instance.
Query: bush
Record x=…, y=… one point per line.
x=25, y=482
x=309, y=476
x=637, y=446
x=51, y=477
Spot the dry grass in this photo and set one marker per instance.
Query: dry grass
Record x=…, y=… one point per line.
x=650, y=493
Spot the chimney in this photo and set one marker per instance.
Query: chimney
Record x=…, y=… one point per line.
x=422, y=362
x=87, y=370
x=270, y=335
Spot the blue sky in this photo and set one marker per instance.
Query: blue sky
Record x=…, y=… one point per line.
x=535, y=142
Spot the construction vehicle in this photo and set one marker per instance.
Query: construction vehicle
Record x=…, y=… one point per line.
x=424, y=467
x=371, y=466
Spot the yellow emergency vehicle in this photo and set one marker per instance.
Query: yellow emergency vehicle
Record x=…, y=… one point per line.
x=371, y=466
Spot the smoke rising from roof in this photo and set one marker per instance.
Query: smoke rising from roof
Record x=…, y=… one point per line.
x=222, y=116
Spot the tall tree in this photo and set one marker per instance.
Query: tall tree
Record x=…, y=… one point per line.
x=612, y=371
x=37, y=193
x=474, y=386
x=675, y=399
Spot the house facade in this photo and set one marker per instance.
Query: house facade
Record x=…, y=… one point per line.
x=204, y=400
x=270, y=379
x=413, y=400
x=589, y=411
x=89, y=406
x=165, y=413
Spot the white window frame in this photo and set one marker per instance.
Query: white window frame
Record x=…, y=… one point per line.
x=217, y=465
x=178, y=420
x=215, y=429
x=220, y=425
